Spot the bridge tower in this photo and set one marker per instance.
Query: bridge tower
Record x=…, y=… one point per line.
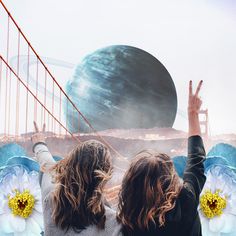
x=204, y=122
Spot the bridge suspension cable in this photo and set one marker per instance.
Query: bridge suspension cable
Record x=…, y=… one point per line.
x=23, y=98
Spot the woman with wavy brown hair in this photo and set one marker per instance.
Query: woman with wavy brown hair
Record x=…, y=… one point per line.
x=72, y=189
x=153, y=200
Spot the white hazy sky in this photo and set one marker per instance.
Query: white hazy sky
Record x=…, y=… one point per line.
x=193, y=39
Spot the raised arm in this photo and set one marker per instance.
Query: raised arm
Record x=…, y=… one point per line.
x=42, y=154
x=194, y=105
x=44, y=158
x=194, y=177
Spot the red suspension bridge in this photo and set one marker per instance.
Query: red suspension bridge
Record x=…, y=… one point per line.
x=33, y=94
x=23, y=99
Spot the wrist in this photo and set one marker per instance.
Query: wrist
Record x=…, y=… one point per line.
x=36, y=144
x=193, y=112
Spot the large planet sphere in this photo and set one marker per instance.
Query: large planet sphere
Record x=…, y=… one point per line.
x=121, y=87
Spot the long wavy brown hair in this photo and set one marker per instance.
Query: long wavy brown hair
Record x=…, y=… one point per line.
x=80, y=178
x=148, y=192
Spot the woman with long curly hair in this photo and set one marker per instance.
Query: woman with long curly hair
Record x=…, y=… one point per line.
x=153, y=200
x=72, y=189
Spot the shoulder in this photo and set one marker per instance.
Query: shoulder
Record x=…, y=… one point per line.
x=187, y=200
x=47, y=202
x=187, y=193
x=112, y=227
x=111, y=224
x=185, y=207
x=110, y=216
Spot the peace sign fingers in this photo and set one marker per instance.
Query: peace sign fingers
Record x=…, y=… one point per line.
x=190, y=88
x=194, y=102
x=36, y=128
x=38, y=136
x=198, y=88
x=44, y=128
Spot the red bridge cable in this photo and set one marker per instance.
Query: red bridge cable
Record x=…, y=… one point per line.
x=29, y=90
x=53, y=130
x=6, y=91
x=17, y=88
x=27, y=95
x=60, y=114
x=0, y=87
x=9, y=106
x=35, y=102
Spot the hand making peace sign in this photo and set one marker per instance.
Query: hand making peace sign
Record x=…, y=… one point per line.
x=39, y=136
x=194, y=101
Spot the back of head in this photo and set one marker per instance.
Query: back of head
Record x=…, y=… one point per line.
x=148, y=191
x=80, y=178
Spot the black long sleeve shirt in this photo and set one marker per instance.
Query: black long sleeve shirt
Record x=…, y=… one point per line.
x=183, y=219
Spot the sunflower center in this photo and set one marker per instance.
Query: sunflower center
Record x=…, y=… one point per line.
x=21, y=204
x=212, y=204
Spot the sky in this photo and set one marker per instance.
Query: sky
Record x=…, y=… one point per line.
x=194, y=40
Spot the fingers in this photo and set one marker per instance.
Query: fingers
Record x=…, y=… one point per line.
x=44, y=127
x=198, y=88
x=190, y=88
x=36, y=127
x=199, y=102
